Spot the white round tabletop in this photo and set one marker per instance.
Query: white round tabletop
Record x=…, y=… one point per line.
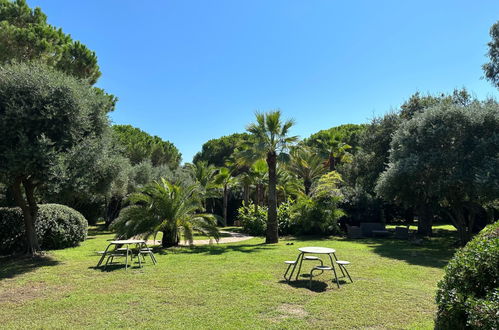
x=128, y=241
x=316, y=250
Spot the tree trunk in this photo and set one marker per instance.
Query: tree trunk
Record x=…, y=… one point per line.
x=256, y=198
x=332, y=163
x=30, y=211
x=272, y=225
x=307, y=184
x=425, y=221
x=170, y=237
x=226, y=202
x=246, y=194
x=261, y=191
x=113, y=209
x=464, y=218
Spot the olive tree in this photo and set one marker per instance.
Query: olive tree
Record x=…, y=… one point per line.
x=491, y=69
x=447, y=155
x=44, y=115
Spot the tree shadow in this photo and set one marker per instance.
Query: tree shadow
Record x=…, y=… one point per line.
x=98, y=230
x=13, y=266
x=216, y=249
x=434, y=252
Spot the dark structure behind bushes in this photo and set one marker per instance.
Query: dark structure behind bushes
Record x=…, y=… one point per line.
x=57, y=227
x=468, y=295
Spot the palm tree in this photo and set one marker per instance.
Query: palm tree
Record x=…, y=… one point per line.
x=259, y=174
x=307, y=166
x=287, y=185
x=204, y=174
x=334, y=150
x=166, y=207
x=245, y=180
x=225, y=179
x=271, y=143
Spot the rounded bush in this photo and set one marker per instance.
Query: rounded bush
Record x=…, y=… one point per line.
x=468, y=295
x=57, y=227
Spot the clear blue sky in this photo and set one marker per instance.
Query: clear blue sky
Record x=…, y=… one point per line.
x=189, y=71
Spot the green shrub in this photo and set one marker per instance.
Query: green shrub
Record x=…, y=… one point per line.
x=57, y=227
x=318, y=215
x=468, y=295
x=256, y=223
x=285, y=213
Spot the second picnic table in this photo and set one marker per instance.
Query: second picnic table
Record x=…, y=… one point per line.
x=314, y=250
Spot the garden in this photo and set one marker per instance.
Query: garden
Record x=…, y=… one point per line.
x=407, y=204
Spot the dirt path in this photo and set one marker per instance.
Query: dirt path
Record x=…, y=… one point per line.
x=234, y=237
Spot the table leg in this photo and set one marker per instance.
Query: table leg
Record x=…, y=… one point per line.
x=103, y=256
x=294, y=267
x=138, y=254
x=335, y=258
x=299, y=268
x=334, y=271
x=126, y=258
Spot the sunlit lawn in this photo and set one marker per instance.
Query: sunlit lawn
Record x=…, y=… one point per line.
x=226, y=286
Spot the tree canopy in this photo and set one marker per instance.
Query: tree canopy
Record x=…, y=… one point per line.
x=25, y=36
x=218, y=151
x=446, y=155
x=140, y=146
x=491, y=69
x=44, y=115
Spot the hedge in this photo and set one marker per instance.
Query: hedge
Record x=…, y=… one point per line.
x=57, y=227
x=468, y=295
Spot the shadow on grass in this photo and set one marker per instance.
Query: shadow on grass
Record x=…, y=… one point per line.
x=13, y=266
x=433, y=252
x=317, y=285
x=98, y=230
x=217, y=249
x=116, y=266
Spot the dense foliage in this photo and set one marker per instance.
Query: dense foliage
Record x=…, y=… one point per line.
x=254, y=221
x=57, y=227
x=139, y=147
x=218, y=151
x=446, y=156
x=166, y=207
x=44, y=116
x=347, y=133
x=468, y=295
x=491, y=68
x=25, y=35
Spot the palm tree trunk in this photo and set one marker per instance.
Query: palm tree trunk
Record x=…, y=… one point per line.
x=272, y=226
x=256, y=198
x=170, y=237
x=226, y=200
x=332, y=163
x=307, y=184
x=246, y=194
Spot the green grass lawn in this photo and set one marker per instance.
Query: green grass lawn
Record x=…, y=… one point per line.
x=226, y=286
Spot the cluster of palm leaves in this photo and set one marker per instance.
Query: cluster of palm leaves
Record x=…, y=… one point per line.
x=173, y=209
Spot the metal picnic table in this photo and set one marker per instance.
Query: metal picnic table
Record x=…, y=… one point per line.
x=140, y=244
x=315, y=250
